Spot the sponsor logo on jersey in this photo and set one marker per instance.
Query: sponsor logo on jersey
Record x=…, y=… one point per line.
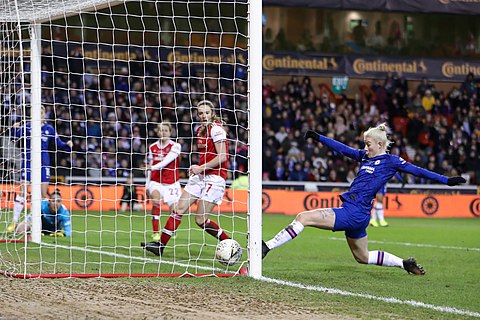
x=368, y=169
x=219, y=133
x=377, y=162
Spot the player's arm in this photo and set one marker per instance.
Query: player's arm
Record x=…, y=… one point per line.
x=171, y=156
x=221, y=149
x=336, y=146
x=400, y=179
x=404, y=166
x=67, y=146
x=16, y=130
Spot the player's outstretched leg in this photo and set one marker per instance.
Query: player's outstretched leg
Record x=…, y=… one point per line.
x=385, y=259
x=287, y=234
x=265, y=249
x=411, y=266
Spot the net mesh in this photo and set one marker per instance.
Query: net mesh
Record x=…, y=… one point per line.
x=110, y=72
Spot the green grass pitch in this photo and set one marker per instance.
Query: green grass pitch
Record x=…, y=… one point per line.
x=449, y=249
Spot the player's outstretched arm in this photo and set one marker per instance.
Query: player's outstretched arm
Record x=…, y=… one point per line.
x=407, y=167
x=312, y=134
x=339, y=147
x=455, y=181
x=66, y=146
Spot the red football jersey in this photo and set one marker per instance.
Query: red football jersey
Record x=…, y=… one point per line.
x=169, y=173
x=206, y=148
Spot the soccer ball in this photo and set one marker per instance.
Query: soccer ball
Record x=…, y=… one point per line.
x=228, y=252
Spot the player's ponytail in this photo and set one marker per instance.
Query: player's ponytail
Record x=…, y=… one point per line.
x=379, y=134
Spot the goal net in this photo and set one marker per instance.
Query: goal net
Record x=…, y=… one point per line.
x=85, y=88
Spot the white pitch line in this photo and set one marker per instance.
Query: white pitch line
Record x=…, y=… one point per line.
x=292, y=284
x=409, y=244
x=119, y=255
x=412, y=303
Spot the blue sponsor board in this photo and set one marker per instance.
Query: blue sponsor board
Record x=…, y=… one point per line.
x=231, y=62
x=368, y=66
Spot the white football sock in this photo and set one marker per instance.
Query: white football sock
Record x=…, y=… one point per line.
x=378, y=209
x=286, y=235
x=385, y=259
x=18, y=208
x=374, y=214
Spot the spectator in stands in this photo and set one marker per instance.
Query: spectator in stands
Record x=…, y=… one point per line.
x=423, y=86
x=280, y=42
x=268, y=39
x=359, y=34
x=395, y=36
x=278, y=173
x=401, y=82
x=469, y=86
x=377, y=41
x=428, y=101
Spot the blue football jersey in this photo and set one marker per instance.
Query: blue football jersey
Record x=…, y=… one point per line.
x=48, y=135
x=375, y=172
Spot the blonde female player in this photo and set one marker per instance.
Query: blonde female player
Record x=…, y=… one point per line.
x=162, y=179
x=376, y=168
x=206, y=184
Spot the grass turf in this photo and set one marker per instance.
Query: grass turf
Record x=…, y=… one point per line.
x=316, y=257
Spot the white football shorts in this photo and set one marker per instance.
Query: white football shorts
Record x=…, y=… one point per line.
x=210, y=187
x=169, y=193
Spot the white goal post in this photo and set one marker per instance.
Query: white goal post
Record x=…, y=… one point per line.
x=103, y=74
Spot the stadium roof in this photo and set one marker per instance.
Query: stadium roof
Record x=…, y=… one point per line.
x=417, y=6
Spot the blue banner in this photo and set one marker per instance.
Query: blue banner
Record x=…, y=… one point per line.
x=417, y=6
x=231, y=62
x=367, y=66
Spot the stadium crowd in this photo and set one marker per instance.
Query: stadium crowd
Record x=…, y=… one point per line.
x=433, y=129
x=110, y=116
x=110, y=112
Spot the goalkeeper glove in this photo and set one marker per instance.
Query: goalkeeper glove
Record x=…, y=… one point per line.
x=453, y=181
x=57, y=234
x=312, y=134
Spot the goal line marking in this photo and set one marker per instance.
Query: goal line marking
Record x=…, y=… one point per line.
x=412, y=303
x=119, y=255
x=290, y=284
x=409, y=244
